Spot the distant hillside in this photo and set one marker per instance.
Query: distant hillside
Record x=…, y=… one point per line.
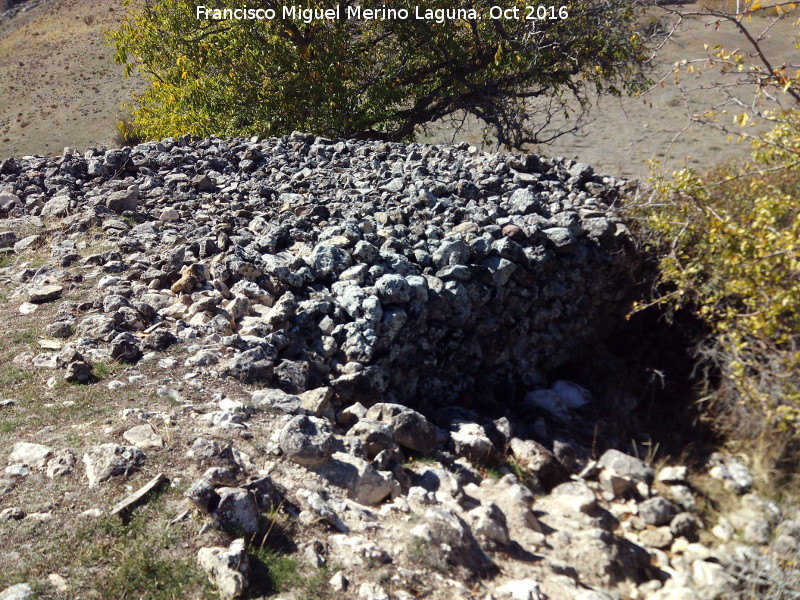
x=60, y=87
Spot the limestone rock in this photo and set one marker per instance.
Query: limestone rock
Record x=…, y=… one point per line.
x=411, y=429
x=33, y=455
x=44, y=293
x=228, y=568
x=360, y=480
x=20, y=591
x=237, y=510
x=109, y=460
x=143, y=436
x=308, y=441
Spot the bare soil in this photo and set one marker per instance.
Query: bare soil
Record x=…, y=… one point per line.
x=60, y=87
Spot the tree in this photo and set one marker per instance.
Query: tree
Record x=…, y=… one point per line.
x=375, y=78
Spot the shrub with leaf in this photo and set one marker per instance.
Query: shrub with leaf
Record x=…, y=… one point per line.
x=727, y=240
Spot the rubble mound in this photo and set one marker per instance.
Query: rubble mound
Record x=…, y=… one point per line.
x=398, y=273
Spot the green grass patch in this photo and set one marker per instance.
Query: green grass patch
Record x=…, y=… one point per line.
x=9, y=425
x=24, y=337
x=111, y=558
x=14, y=376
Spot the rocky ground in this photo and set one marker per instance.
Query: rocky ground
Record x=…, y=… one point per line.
x=308, y=368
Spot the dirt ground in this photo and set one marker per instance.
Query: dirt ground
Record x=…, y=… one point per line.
x=60, y=87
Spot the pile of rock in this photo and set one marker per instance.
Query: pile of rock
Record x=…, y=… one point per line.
x=356, y=281
x=402, y=273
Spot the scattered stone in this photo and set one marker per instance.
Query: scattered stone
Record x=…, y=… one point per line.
x=33, y=455
x=657, y=511
x=672, y=475
x=277, y=400
x=539, y=462
x=27, y=308
x=360, y=480
x=12, y=514
x=139, y=495
x=8, y=239
x=660, y=537
x=58, y=206
x=58, y=582
x=44, y=293
x=78, y=372
x=109, y=460
x=308, y=441
x=228, y=568
x=732, y=472
x=490, y=522
x=411, y=429
x=621, y=473
x=339, y=582
x=61, y=463
x=237, y=510
x=372, y=591
x=122, y=201
x=522, y=589
x=143, y=436
x=20, y=591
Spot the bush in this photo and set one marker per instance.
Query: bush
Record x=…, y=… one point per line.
x=728, y=247
x=374, y=78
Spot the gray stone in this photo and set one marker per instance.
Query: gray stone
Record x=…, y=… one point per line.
x=317, y=402
x=8, y=201
x=77, y=372
x=12, y=514
x=277, y=400
x=361, y=481
x=411, y=429
x=122, y=201
x=685, y=525
x=672, y=475
x=28, y=242
x=125, y=347
x=621, y=472
x=308, y=441
x=237, y=511
x=44, y=293
x=521, y=589
x=374, y=435
x=20, y=591
x=109, y=460
x=57, y=206
x=8, y=239
x=61, y=463
x=228, y=568
x=143, y=436
x=539, y=462
x=657, y=511
x=251, y=366
x=33, y=455
x=470, y=441
x=369, y=590
x=203, y=495
x=490, y=522
x=660, y=537
x=572, y=497
x=458, y=546
x=732, y=472
x=524, y=201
